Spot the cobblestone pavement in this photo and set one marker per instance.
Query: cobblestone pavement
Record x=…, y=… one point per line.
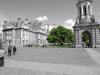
x=90, y=65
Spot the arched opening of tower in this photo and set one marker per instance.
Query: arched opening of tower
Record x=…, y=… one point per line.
x=80, y=11
x=86, y=39
x=89, y=10
x=84, y=8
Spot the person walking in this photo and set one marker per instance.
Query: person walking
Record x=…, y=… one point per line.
x=9, y=50
x=2, y=54
x=14, y=50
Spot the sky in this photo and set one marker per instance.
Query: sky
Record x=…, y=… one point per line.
x=57, y=11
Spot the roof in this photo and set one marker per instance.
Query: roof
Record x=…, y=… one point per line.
x=85, y=0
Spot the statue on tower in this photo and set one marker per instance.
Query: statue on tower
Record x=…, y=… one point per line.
x=77, y=21
x=92, y=18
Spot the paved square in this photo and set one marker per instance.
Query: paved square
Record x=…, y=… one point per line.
x=55, y=56
x=52, y=61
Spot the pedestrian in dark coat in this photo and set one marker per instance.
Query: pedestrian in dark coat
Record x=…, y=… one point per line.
x=14, y=50
x=9, y=50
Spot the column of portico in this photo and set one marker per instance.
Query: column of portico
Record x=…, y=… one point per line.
x=91, y=10
x=97, y=37
x=13, y=36
x=94, y=37
x=82, y=11
x=78, y=13
x=87, y=10
x=78, y=39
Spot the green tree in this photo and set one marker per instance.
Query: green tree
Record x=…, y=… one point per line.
x=60, y=35
x=52, y=39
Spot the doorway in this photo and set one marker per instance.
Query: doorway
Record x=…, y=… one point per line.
x=86, y=39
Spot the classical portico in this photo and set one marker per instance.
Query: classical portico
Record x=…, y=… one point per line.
x=85, y=22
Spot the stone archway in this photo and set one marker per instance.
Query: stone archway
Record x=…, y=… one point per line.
x=86, y=39
x=86, y=21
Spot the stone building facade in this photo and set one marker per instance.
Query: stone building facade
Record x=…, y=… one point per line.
x=0, y=36
x=85, y=22
x=24, y=32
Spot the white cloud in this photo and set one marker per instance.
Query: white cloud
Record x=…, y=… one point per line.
x=69, y=23
x=45, y=18
x=41, y=19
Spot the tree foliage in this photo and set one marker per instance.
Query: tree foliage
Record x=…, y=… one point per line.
x=60, y=35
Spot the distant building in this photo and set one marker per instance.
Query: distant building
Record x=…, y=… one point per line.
x=1, y=32
x=0, y=36
x=49, y=27
x=24, y=32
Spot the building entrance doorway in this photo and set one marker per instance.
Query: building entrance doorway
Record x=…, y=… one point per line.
x=86, y=39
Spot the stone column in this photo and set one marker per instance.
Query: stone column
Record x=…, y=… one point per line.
x=99, y=35
x=87, y=10
x=91, y=10
x=21, y=36
x=94, y=37
x=97, y=38
x=78, y=39
x=82, y=11
x=78, y=13
x=13, y=36
x=77, y=36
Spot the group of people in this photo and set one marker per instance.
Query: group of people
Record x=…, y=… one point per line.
x=11, y=50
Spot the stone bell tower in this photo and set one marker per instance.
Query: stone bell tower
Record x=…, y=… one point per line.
x=85, y=22
x=84, y=8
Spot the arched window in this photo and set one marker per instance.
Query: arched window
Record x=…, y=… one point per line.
x=89, y=9
x=84, y=8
